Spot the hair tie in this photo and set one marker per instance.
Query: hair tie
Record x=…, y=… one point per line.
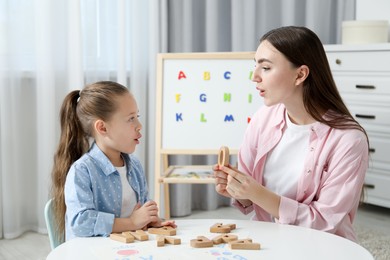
x=78, y=99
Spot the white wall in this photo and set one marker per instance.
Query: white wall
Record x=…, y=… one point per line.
x=373, y=10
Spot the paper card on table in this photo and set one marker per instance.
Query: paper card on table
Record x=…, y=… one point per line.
x=126, y=251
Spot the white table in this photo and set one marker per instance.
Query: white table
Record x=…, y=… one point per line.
x=277, y=242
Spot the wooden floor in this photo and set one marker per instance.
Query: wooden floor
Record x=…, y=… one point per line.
x=36, y=246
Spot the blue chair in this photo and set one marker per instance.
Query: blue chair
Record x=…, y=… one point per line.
x=50, y=225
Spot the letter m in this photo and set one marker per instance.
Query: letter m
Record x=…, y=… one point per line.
x=229, y=118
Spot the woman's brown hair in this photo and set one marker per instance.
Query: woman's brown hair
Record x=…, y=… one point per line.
x=80, y=109
x=301, y=46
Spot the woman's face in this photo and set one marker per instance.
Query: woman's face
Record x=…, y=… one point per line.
x=276, y=77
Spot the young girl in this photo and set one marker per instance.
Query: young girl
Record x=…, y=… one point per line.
x=100, y=188
x=304, y=157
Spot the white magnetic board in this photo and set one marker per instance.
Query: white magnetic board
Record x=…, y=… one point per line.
x=205, y=100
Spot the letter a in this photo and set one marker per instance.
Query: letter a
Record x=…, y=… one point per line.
x=181, y=75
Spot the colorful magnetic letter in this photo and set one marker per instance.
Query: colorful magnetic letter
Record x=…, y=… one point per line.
x=250, y=75
x=206, y=75
x=182, y=75
x=227, y=97
x=202, y=98
x=178, y=98
x=202, y=118
x=179, y=117
x=227, y=74
x=250, y=98
x=229, y=118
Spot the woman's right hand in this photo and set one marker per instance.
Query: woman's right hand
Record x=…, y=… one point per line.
x=220, y=181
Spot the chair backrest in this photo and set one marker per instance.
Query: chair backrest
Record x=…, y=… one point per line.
x=51, y=231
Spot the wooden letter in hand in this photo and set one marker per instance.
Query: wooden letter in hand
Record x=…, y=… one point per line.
x=244, y=244
x=220, y=228
x=169, y=231
x=223, y=156
x=201, y=241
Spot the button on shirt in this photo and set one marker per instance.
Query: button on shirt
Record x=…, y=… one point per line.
x=93, y=193
x=330, y=185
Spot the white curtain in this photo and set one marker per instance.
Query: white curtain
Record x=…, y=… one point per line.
x=48, y=48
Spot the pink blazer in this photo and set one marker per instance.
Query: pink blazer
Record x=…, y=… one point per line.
x=330, y=186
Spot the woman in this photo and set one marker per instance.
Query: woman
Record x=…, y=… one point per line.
x=304, y=157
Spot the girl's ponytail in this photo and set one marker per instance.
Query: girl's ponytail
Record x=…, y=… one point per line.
x=73, y=144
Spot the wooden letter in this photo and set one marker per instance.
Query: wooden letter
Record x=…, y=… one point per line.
x=224, y=239
x=169, y=231
x=220, y=228
x=201, y=241
x=124, y=238
x=223, y=156
x=160, y=241
x=173, y=240
x=244, y=244
x=139, y=235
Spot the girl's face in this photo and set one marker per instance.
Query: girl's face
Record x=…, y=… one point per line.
x=276, y=77
x=123, y=129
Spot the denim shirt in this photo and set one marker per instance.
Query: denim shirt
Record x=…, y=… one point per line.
x=93, y=193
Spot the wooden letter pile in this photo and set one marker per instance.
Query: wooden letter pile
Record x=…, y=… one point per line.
x=129, y=236
x=164, y=236
x=231, y=239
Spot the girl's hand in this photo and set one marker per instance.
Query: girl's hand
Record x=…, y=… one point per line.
x=161, y=223
x=145, y=214
x=221, y=180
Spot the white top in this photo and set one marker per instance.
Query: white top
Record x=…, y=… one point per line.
x=285, y=162
x=277, y=241
x=129, y=199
